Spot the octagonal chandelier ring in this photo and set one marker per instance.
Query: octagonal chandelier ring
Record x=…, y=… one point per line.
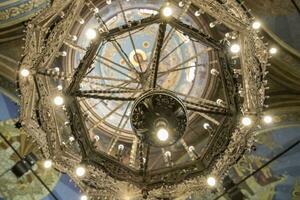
x=151, y=94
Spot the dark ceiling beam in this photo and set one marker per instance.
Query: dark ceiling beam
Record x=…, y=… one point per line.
x=296, y=6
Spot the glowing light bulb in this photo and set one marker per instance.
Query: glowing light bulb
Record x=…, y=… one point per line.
x=74, y=38
x=273, y=50
x=47, y=164
x=220, y=101
x=167, y=11
x=246, y=121
x=162, y=134
x=97, y=138
x=168, y=154
x=71, y=138
x=91, y=34
x=59, y=87
x=180, y=4
x=235, y=48
x=63, y=53
x=206, y=126
x=80, y=171
x=83, y=197
x=197, y=13
x=58, y=100
x=256, y=25
x=268, y=119
x=212, y=24
x=121, y=147
x=191, y=148
x=211, y=181
x=81, y=21
x=24, y=72
x=96, y=10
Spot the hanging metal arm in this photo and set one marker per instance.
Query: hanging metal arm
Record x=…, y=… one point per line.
x=204, y=106
x=105, y=97
x=156, y=55
x=84, y=65
x=134, y=25
x=201, y=109
x=194, y=33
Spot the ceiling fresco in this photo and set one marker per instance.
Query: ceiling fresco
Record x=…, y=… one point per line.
x=16, y=11
x=190, y=81
x=280, y=179
x=28, y=186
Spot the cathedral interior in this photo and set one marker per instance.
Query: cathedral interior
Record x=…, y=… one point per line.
x=150, y=99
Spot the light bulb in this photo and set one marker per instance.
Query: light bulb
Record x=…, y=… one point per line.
x=96, y=10
x=212, y=24
x=197, y=13
x=71, y=138
x=273, y=50
x=256, y=25
x=121, y=147
x=80, y=171
x=220, y=101
x=268, y=119
x=214, y=72
x=180, y=4
x=24, y=72
x=162, y=134
x=97, y=138
x=211, y=181
x=74, y=38
x=191, y=148
x=167, y=11
x=47, y=164
x=91, y=34
x=83, y=197
x=81, y=21
x=168, y=154
x=59, y=87
x=58, y=100
x=63, y=53
x=206, y=126
x=108, y=2
x=246, y=121
x=235, y=48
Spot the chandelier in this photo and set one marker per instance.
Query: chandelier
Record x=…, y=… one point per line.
x=146, y=98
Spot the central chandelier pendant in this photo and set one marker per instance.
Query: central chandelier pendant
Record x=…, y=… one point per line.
x=159, y=117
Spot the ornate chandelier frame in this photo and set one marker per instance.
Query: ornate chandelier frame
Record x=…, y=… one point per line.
x=47, y=33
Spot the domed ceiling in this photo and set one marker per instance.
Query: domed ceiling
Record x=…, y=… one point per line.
x=15, y=11
x=187, y=80
x=124, y=64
